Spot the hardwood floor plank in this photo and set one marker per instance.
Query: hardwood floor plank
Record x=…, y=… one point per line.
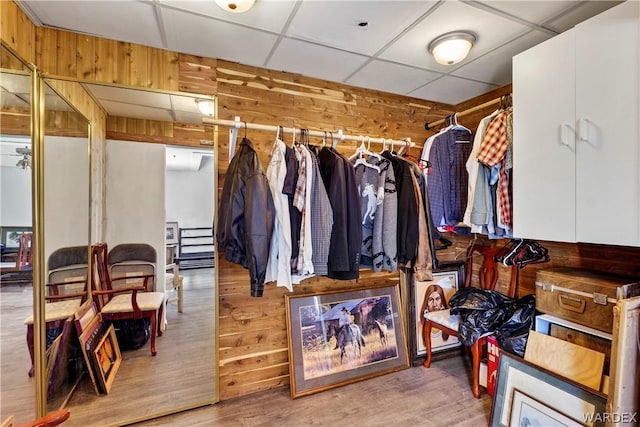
x=438, y=396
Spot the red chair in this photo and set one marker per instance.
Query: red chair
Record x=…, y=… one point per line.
x=50, y=420
x=24, y=259
x=448, y=323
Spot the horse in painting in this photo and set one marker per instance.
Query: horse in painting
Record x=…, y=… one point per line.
x=345, y=336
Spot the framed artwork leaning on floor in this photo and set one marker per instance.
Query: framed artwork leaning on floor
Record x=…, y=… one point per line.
x=433, y=295
x=528, y=395
x=337, y=338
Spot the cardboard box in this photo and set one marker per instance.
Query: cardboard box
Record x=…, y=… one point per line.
x=493, y=353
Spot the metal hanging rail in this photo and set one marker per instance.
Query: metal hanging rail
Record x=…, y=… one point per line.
x=335, y=135
x=430, y=126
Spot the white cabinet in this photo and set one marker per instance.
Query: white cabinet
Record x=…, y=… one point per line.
x=576, y=172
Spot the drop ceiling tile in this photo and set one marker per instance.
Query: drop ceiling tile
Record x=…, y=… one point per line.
x=492, y=31
x=136, y=111
x=312, y=60
x=452, y=90
x=215, y=39
x=495, y=67
x=189, y=118
x=185, y=103
x=130, y=96
x=335, y=23
x=583, y=11
x=11, y=100
x=536, y=12
x=391, y=77
x=126, y=21
x=265, y=14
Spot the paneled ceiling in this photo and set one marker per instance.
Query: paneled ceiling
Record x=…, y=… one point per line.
x=328, y=39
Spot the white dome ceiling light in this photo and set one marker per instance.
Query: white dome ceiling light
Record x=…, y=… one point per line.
x=235, y=6
x=451, y=48
x=206, y=106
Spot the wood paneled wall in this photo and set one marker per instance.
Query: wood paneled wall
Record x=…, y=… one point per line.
x=253, y=348
x=83, y=57
x=17, y=31
x=253, y=336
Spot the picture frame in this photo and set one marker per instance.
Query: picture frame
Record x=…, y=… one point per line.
x=448, y=278
x=171, y=233
x=11, y=237
x=555, y=395
x=89, y=324
x=322, y=355
x=527, y=411
x=106, y=358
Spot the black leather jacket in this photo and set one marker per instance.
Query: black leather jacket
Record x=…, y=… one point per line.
x=246, y=216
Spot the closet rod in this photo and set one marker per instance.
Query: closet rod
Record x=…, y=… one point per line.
x=238, y=124
x=430, y=126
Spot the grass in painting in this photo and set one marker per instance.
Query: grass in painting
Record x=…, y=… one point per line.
x=319, y=357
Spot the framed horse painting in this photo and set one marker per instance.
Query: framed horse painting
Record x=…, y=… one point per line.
x=340, y=337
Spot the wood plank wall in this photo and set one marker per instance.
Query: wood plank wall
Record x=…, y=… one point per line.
x=17, y=31
x=253, y=337
x=253, y=342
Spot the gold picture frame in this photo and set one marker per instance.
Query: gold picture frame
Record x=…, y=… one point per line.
x=106, y=359
x=322, y=356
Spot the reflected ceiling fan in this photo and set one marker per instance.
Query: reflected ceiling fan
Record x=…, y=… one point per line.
x=25, y=154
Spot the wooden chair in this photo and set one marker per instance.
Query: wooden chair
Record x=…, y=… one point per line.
x=50, y=420
x=66, y=290
x=24, y=259
x=448, y=323
x=123, y=303
x=173, y=279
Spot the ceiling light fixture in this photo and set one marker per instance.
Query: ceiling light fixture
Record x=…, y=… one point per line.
x=451, y=48
x=24, y=162
x=235, y=6
x=206, y=106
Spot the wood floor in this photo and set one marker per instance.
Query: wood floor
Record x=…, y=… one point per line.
x=438, y=396
x=182, y=374
x=174, y=378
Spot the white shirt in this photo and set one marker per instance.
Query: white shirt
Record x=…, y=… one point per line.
x=278, y=266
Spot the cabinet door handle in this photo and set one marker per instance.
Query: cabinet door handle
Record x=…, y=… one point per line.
x=564, y=138
x=583, y=129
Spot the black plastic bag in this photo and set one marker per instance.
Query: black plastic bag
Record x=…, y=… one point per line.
x=513, y=333
x=132, y=334
x=480, y=311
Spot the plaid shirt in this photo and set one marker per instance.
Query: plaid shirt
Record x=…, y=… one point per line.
x=492, y=153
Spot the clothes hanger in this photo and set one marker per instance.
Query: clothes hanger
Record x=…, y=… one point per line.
x=324, y=139
x=363, y=161
x=334, y=143
x=384, y=145
x=462, y=139
x=360, y=150
x=372, y=153
x=279, y=132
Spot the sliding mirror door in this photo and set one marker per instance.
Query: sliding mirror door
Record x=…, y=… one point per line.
x=66, y=237
x=16, y=293
x=140, y=199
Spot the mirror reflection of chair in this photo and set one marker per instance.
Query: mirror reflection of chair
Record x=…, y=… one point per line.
x=448, y=323
x=127, y=302
x=173, y=279
x=24, y=259
x=66, y=290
